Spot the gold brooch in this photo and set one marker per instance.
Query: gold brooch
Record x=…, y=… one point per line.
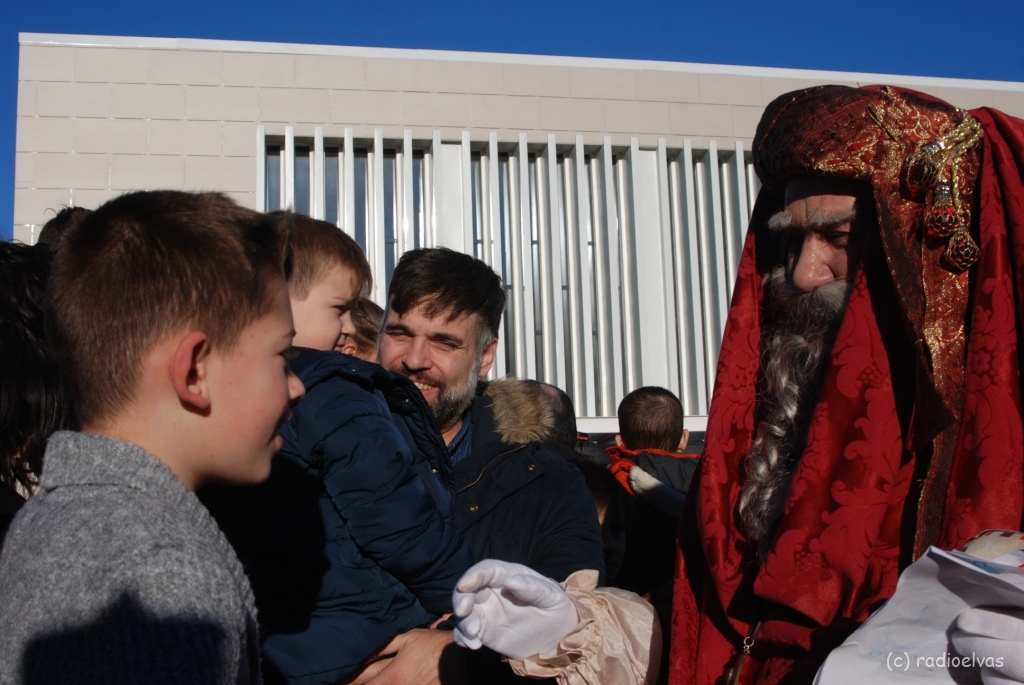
x=932, y=175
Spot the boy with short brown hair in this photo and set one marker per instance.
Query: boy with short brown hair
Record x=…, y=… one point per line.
x=170, y=317
x=352, y=540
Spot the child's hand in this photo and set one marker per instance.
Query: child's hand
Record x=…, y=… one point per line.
x=433, y=626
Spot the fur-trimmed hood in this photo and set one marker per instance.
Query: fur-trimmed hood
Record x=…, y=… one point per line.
x=520, y=416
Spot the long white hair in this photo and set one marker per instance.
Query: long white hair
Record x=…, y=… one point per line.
x=795, y=349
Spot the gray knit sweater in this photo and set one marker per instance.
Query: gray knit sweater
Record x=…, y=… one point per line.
x=115, y=573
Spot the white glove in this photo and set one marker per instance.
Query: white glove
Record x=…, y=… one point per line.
x=994, y=637
x=511, y=609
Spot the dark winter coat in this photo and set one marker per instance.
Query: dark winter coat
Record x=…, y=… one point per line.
x=517, y=501
x=351, y=540
x=675, y=472
x=649, y=561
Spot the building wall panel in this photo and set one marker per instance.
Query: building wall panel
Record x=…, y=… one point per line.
x=45, y=134
x=220, y=173
x=667, y=86
x=504, y=111
x=366, y=107
x=186, y=67
x=255, y=69
x=400, y=74
x=311, y=105
x=330, y=71
x=529, y=79
x=637, y=117
x=128, y=136
x=693, y=119
x=468, y=77
x=238, y=138
x=436, y=109
x=67, y=170
x=71, y=99
x=604, y=84
x=147, y=101
x=111, y=65
x=185, y=137
x=222, y=103
x=728, y=89
x=46, y=63
x=146, y=172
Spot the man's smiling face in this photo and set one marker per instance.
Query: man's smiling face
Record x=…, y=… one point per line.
x=441, y=356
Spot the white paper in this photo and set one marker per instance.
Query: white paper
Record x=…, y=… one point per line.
x=907, y=639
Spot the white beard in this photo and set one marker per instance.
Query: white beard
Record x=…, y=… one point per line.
x=795, y=349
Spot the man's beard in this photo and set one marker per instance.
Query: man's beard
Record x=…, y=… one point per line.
x=452, y=401
x=795, y=350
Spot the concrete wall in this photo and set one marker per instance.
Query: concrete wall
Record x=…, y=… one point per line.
x=98, y=116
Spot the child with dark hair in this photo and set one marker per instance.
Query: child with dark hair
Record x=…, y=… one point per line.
x=359, y=328
x=352, y=539
x=649, y=463
x=168, y=313
x=35, y=399
x=651, y=437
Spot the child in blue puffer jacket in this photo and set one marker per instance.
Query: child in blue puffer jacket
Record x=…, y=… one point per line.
x=351, y=541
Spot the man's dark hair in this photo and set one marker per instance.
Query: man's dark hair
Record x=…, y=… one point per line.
x=651, y=418
x=35, y=399
x=54, y=230
x=564, y=431
x=449, y=283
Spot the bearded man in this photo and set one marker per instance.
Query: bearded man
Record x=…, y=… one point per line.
x=868, y=396
x=515, y=500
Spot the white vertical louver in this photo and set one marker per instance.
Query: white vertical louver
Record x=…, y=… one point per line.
x=619, y=260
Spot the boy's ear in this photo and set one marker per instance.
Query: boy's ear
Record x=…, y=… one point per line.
x=685, y=439
x=189, y=370
x=350, y=349
x=618, y=440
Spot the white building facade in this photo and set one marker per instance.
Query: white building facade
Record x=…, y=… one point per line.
x=611, y=195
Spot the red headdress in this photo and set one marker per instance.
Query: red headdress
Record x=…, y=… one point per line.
x=917, y=435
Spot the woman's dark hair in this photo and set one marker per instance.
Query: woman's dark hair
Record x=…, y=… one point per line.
x=35, y=399
x=366, y=319
x=54, y=230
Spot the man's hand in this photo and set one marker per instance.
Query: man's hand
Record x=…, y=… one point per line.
x=511, y=609
x=419, y=656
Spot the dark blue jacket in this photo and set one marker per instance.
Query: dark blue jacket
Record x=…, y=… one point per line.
x=351, y=540
x=674, y=471
x=523, y=503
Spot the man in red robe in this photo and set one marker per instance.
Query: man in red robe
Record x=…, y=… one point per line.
x=868, y=395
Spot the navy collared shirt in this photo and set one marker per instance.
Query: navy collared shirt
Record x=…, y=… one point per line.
x=462, y=444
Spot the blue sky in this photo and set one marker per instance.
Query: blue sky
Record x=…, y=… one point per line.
x=979, y=39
